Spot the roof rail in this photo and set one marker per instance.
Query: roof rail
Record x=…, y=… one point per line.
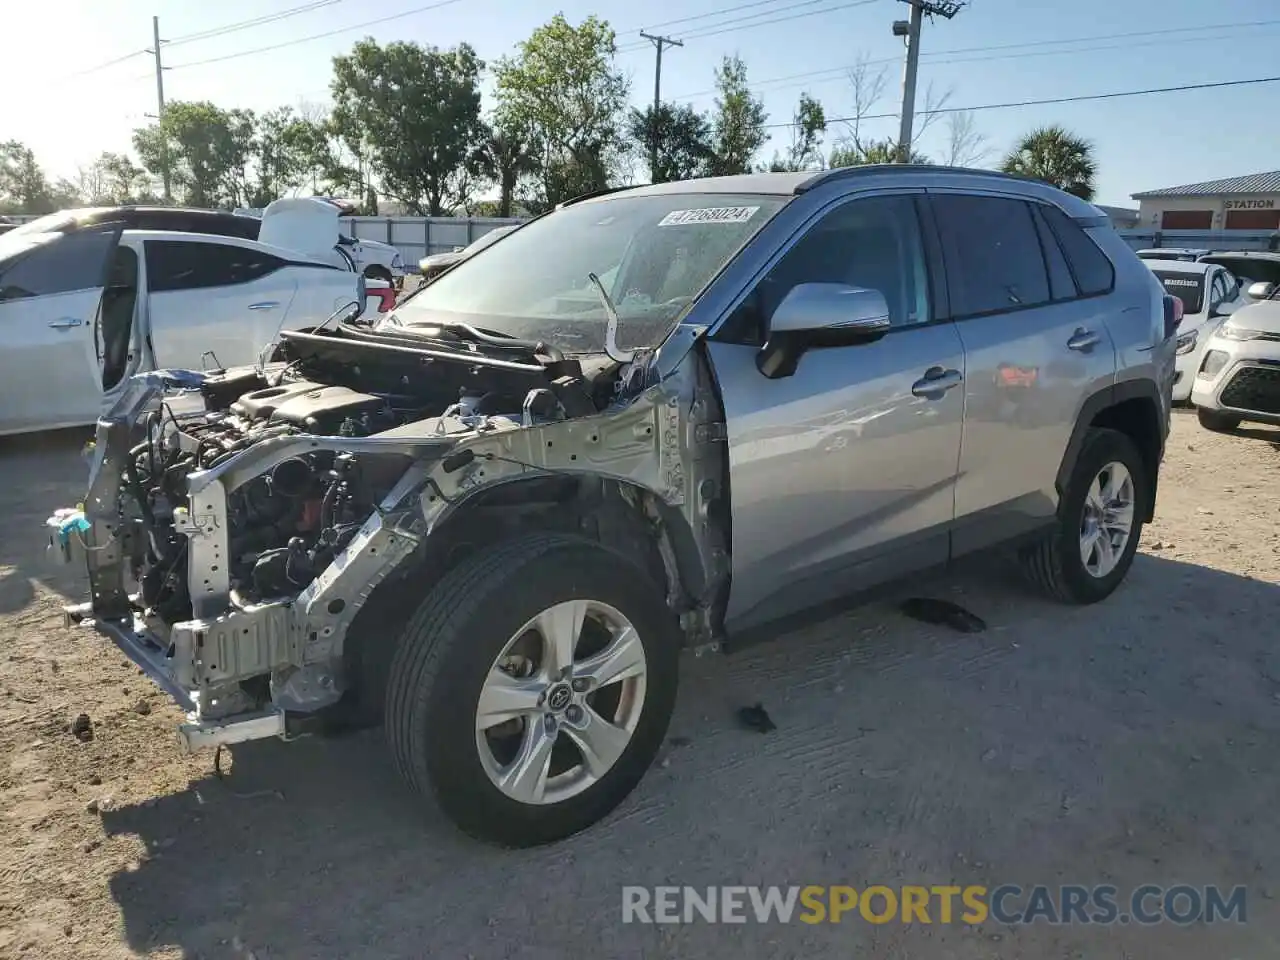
x=603, y=192
x=873, y=169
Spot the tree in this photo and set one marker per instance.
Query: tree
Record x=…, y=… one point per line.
x=683, y=136
x=868, y=88
x=205, y=148
x=562, y=87
x=318, y=152
x=807, y=127
x=738, y=130
x=24, y=188
x=1057, y=157
x=418, y=110
x=869, y=152
x=966, y=147
x=112, y=179
x=507, y=154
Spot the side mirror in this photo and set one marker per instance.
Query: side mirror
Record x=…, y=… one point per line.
x=821, y=315
x=1260, y=290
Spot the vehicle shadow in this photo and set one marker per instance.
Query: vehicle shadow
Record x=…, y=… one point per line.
x=1061, y=745
x=1257, y=431
x=40, y=472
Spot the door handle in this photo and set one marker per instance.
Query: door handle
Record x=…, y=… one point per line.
x=1083, y=340
x=936, y=381
x=66, y=323
x=265, y=305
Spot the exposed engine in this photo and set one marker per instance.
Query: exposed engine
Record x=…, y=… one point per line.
x=286, y=525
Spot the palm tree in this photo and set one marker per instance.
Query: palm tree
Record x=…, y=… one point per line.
x=1057, y=157
x=507, y=154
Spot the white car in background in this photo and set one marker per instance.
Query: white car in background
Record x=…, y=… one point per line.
x=432, y=266
x=86, y=303
x=1209, y=294
x=320, y=219
x=1239, y=377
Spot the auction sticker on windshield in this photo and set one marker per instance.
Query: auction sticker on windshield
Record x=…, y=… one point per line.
x=678, y=218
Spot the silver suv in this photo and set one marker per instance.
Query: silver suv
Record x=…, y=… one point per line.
x=659, y=418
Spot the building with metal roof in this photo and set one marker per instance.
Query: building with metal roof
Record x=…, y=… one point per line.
x=1235, y=203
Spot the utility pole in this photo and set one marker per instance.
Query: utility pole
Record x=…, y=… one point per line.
x=658, y=43
x=910, y=29
x=164, y=146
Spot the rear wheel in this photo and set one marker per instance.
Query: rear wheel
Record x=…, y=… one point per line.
x=378, y=273
x=1217, y=421
x=533, y=688
x=1099, y=522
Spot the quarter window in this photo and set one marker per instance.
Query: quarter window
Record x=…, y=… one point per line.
x=993, y=255
x=873, y=243
x=1093, y=271
x=1062, y=286
x=179, y=265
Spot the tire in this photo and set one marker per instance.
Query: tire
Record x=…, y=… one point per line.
x=379, y=273
x=1055, y=564
x=449, y=648
x=1217, y=421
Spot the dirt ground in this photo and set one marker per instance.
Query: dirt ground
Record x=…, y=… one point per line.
x=1126, y=743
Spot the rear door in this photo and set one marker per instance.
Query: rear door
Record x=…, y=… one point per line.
x=49, y=300
x=1035, y=347
x=214, y=304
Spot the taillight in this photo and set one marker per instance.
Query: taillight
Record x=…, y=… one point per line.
x=386, y=300
x=1172, y=315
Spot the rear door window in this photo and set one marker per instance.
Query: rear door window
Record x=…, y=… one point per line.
x=993, y=256
x=75, y=261
x=181, y=265
x=1187, y=287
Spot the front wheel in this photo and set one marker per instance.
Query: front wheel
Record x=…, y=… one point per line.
x=1099, y=522
x=533, y=688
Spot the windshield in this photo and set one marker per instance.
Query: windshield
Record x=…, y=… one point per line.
x=1187, y=287
x=654, y=254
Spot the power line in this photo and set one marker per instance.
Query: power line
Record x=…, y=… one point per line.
x=715, y=29
x=835, y=73
x=732, y=26
x=266, y=18
x=315, y=36
x=1049, y=101
x=710, y=13
x=109, y=63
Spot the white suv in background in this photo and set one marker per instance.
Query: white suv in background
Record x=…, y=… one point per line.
x=1209, y=293
x=1239, y=377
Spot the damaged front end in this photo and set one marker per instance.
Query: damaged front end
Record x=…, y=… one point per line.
x=237, y=524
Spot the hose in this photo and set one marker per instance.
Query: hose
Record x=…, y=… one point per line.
x=135, y=485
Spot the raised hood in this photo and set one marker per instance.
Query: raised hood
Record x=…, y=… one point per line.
x=306, y=224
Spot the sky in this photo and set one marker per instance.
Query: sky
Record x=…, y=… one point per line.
x=68, y=110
